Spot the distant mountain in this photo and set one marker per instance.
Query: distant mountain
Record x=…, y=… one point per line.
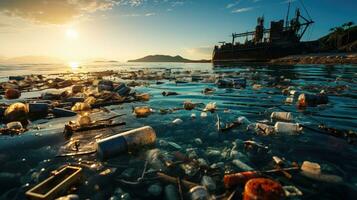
x=166, y=58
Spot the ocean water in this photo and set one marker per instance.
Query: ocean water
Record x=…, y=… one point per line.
x=27, y=159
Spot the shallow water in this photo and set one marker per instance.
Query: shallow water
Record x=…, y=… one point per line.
x=27, y=159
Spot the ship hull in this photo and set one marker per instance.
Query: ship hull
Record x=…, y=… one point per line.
x=260, y=53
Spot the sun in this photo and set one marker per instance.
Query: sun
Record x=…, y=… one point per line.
x=74, y=65
x=71, y=34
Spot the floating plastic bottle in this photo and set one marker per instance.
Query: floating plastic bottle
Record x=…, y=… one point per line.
x=310, y=100
x=284, y=116
x=124, y=142
x=242, y=165
x=287, y=128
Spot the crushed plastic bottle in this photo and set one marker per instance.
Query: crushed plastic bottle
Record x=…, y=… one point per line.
x=284, y=116
x=14, y=125
x=188, y=105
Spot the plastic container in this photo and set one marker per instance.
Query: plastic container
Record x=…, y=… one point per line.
x=287, y=128
x=142, y=111
x=38, y=109
x=263, y=189
x=61, y=112
x=284, y=116
x=199, y=193
x=12, y=93
x=233, y=180
x=124, y=142
x=80, y=106
x=55, y=185
x=311, y=167
x=16, y=112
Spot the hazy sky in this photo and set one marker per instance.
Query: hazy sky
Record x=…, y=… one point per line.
x=127, y=29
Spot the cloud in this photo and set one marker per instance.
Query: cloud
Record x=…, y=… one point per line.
x=150, y=14
x=231, y=5
x=55, y=11
x=140, y=15
x=240, y=10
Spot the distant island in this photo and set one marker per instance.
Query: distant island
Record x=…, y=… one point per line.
x=166, y=58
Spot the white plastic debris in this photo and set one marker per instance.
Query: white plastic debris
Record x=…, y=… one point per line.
x=203, y=114
x=287, y=128
x=210, y=107
x=177, y=121
x=311, y=167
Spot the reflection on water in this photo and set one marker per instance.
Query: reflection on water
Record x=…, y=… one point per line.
x=27, y=159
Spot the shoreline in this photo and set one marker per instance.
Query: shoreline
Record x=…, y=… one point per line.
x=322, y=58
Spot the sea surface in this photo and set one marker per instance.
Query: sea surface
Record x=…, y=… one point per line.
x=27, y=159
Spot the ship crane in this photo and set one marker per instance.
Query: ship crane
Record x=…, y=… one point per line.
x=296, y=29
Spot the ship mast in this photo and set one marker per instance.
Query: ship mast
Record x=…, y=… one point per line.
x=287, y=16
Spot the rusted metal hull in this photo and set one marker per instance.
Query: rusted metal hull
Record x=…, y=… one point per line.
x=260, y=53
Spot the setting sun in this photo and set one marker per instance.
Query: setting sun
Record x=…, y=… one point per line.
x=71, y=34
x=74, y=65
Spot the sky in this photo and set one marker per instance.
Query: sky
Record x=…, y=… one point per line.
x=128, y=29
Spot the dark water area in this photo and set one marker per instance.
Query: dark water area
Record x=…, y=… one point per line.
x=27, y=159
